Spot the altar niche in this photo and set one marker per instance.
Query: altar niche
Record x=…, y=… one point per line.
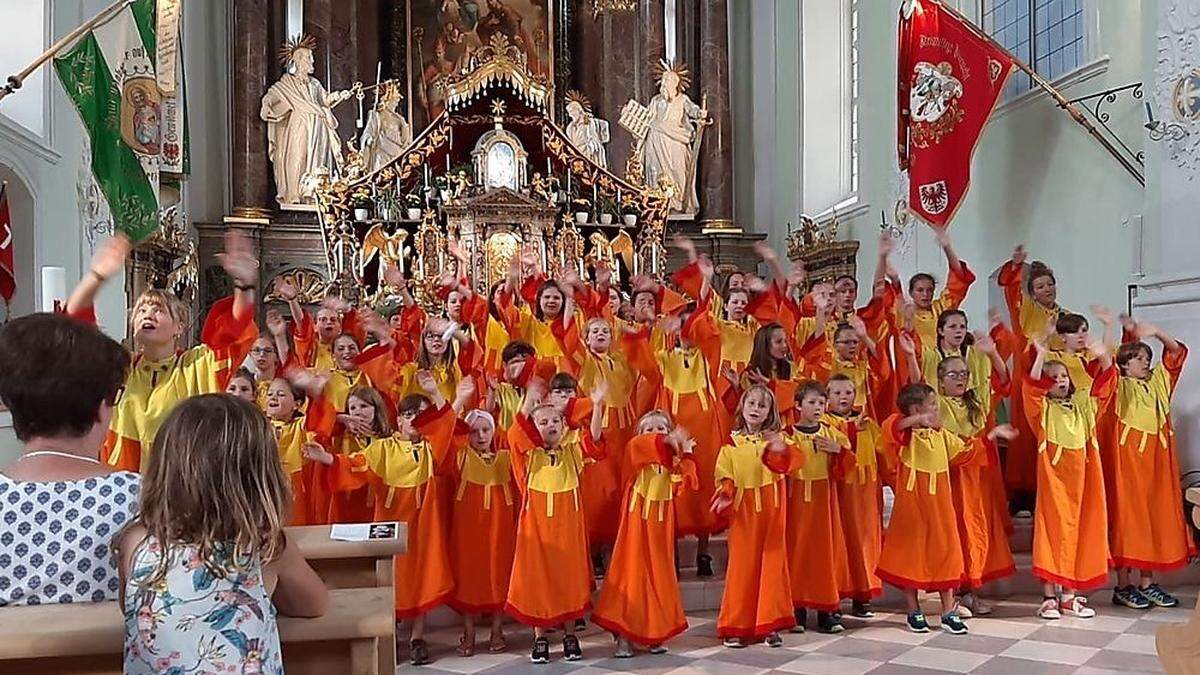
x=496, y=173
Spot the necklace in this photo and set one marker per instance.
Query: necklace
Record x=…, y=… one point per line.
x=56, y=453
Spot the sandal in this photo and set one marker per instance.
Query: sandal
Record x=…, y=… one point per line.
x=497, y=644
x=465, y=648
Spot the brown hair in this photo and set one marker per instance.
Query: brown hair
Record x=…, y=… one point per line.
x=563, y=381
x=772, y=423
x=1037, y=270
x=214, y=480
x=810, y=387
x=425, y=360
x=944, y=318
x=1059, y=364
x=56, y=372
x=537, y=300
x=381, y=423
x=913, y=395
x=1127, y=351
x=970, y=400
x=412, y=404
x=921, y=276
x=1070, y=323
x=760, y=355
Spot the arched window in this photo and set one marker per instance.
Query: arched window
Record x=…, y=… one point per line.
x=829, y=105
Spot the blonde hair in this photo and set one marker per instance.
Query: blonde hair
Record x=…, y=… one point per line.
x=214, y=480
x=165, y=299
x=772, y=423
x=381, y=422
x=652, y=415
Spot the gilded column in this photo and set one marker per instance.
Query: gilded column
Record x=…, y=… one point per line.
x=716, y=152
x=250, y=44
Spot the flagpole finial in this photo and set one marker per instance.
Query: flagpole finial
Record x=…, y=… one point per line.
x=908, y=7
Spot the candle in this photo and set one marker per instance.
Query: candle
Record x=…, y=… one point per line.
x=54, y=288
x=594, y=194
x=568, y=182
x=547, y=166
x=447, y=160
x=426, y=166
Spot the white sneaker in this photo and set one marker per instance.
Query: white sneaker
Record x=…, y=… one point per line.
x=974, y=604
x=1049, y=609
x=1077, y=606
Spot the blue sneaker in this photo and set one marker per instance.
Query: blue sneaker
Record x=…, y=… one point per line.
x=1131, y=597
x=1158, y=596
x=953, y=624
x=917, y=622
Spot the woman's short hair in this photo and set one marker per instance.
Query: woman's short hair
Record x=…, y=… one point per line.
x=55, y=372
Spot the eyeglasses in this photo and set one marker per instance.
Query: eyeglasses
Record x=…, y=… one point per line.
x=957, y=374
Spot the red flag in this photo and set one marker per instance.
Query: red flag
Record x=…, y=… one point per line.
x=8, y=280
x=948, y=81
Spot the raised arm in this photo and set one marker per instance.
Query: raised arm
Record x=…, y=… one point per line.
x=107, y=261
x=242, y=266
x=1039, y=359
x=886, y=244
x=909, y=351
x=942, y=234
x=1106, y=318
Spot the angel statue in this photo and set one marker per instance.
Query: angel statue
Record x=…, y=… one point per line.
x=586, y=132
x=387, y=133
x=672, y=145
x=301, y=129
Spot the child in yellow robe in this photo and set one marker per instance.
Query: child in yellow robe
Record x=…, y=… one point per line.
x=309, y=502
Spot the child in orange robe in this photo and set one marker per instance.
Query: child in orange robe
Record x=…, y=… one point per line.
x=683, y=373
x=483, y=524
x=817, y=564
x=162, y=374
x=921, y=286
x=639, y=601
x=1147, y=530
x=551, y=578
x=750, y=492
x=1070, y=526
x=771, y=364
x=922, y=550
x=966, y=406
x=398, y=469
x=854, y=353
x=291, y=436
x=859, y=493
x=1031, y=293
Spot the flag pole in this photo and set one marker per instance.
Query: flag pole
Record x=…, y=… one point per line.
x=15, y=81
x=1062, y=101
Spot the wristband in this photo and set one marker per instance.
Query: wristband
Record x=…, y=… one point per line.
x=99, y=277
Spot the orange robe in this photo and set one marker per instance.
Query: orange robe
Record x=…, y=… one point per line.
x=307, y=506
x=483, y=523
x=1146, y=525
x=640, y=597
x=979, y=499
x=1070, y=522
x=551, y=579
x=860, y=504
x=1029, y=320
x=958, y=282
x=400, y=476
x=351, y=506
x=757, y=599
x=922, y=549
x=154, y=388
x=313, y=353
x=817, y=563
x=685, y=379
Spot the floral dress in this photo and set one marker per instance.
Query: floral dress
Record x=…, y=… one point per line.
x=198, y=621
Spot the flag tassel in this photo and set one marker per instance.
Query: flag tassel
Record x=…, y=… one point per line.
x=15, y=81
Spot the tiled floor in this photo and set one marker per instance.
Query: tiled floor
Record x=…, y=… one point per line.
x=1011, y=640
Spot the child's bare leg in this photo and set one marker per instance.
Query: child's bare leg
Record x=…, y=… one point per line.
x=539, y=632
x=1147, y=578
x=568, y=628
x=418, y=627
x=1123, y=574
x=910, y=600
x=947, y=598
x=497, y=626
x=1049, y=591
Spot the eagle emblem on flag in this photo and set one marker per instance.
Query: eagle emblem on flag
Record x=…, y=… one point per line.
x=933, y=102
x=934, y=197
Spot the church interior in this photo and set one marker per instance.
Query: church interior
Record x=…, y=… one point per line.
x=361, y=146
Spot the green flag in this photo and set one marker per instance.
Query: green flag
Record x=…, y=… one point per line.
x=109, y=75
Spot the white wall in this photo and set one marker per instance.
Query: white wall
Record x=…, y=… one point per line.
x=49, y=229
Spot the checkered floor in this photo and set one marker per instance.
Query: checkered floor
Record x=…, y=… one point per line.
x=1011, y=640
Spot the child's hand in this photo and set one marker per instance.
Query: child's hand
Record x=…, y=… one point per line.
x=720, y=502
x=728, y=373
x=393, y=277
x=355, y=425
x=775, y=442
x=465, y=390
x=428, y=384
x=286, y=289
x=599, y=391
x=456, y=250
x=995, y=318
x=905, y=342
x=756, y=377
x=886, y=244
x=315, y=453
x=1019, y=255
x=797, y=275
x=755, y=285
x=826, y=445
x=1145, y=329
x=859, y=326
x=681, y=441
x=860, y=423
x=1103, y=314
x=309, y=381
x=671, y=324
x=336, y=303
x=1003, y=431
x=765, y=252
x=1097, y=349
x=110, y=256
x=276, y=324
x=238, y=259
x=984, y=343
x=603, y=274
x=684, y=244
x=375, y=325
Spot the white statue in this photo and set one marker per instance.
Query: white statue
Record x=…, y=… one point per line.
x=301, y=129
x=388, y=133
x=586, y=132
x=672, y=145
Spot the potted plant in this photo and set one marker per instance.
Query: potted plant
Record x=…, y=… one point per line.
x=630, y=212
x=412, y=206
x=608, y=207
x=360, y=201
x=581, y=210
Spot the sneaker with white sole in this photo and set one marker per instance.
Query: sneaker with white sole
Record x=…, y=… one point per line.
x=1049, y=609
x=953, y=624
x=1077, y=607
x=917, y=622
x=974, y=604
x=1155, y=594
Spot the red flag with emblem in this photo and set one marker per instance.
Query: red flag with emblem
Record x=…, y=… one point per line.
x=949, y=78
x=8, y=280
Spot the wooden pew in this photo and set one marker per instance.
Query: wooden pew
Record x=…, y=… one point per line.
x=88, y=639
x=1178, y=645
x=354, y=564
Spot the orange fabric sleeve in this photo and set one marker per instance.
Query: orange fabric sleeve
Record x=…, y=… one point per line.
x=347, y=473
x=523, y=436
x=592, y=448
x=86, y=315
x=1011, y=278
x=791, y=459
x=640, y=355
x=529, y=289
x=701, y=329
x=894, y=438
x=646, y=450
x=1034, y=398
x=579, y=412
x=321, y=418
x=686, y=470
x=353, y=326
x=764, y=306
x=689, y=279
x=446, y=435
x=304, y=337
x=230, y=337
x=1007, y=342
x=958, y=283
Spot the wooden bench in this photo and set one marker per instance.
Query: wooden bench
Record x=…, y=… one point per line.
x=1178, y=645
x=354, y=564
x=88, y=639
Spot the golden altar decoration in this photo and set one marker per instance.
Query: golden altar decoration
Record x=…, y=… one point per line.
x=496, y=173
x=816, y=245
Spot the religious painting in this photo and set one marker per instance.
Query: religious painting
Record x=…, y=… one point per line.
x=444, y=33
